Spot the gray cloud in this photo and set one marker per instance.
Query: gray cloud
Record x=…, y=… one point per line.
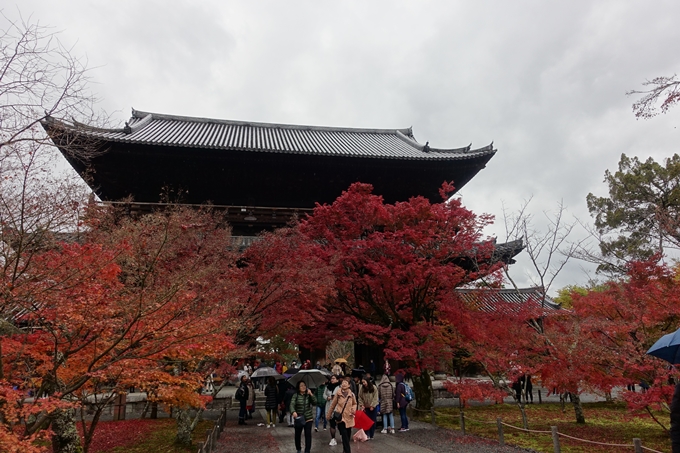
x=545, y=81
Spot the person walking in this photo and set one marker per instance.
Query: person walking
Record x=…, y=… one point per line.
x=387, y=368
x=250, y=405
x=386, y=394
x=400, y=401
x=331, y=389
x=368, y=402
x=344, y=403
x=320, y=407
x=290, y=392
x=301, y=405
x=271, y=393
x=337, y=369
x=242, y=397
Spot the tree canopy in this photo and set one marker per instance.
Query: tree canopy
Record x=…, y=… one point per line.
x=640, y=216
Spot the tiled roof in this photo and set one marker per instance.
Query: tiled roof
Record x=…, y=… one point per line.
x=489, y=300
x=168, y=130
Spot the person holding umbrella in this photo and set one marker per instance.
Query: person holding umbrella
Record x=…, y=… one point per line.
x=344, y=404
x=301, y=405
x=271, y=397
x=668, y=348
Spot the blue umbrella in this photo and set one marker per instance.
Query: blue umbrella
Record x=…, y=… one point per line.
x=667, y=348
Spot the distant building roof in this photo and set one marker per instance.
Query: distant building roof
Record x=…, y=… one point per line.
x=489, y=300
x=189, y=132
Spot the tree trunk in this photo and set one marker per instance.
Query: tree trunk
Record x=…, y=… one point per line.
x=422, y=387
x=154, y=411
x=185, y=425
x=578, y=408
x=65, y=438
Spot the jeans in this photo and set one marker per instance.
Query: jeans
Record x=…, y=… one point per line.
x=388, y=418
x=320, y=415
x=372, y=414
x=404, y=418
x=308, y=436
x=346, y=435
x=242, y=412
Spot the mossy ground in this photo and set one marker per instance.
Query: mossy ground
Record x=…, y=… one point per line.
x=605, y=422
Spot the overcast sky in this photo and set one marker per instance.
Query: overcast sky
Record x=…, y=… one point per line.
x=545, y=81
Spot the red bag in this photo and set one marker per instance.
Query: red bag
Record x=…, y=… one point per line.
x=362, y=421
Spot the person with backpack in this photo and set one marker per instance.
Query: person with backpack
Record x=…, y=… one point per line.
x=271, y=393
x=331, y=389
x=301, y=407
x=242, y=397
x=401, y=401
x=386, y=392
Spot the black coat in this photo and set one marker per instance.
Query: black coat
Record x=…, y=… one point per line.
x=675, y=420
x=270, y=397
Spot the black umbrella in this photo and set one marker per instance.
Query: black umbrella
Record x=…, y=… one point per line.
x=358, y=372
x=312, y=378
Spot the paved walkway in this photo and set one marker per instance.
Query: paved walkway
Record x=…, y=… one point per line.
x=282, y=439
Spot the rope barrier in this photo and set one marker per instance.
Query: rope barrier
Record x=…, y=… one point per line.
x=535, y=431
x=651, y=449
x=526, y=430
x=593, y=442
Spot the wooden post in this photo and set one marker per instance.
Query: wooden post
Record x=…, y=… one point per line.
x=462, y=422
x=501, y=439
x=433, y=419
x=540, y=401
x=556, y=439
x=200, y=447
x=637, y=443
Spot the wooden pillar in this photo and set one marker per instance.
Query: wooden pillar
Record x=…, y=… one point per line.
x=556, y=439
x=501, y=438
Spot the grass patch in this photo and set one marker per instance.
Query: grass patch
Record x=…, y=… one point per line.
x=605, y=422
x=144, y=436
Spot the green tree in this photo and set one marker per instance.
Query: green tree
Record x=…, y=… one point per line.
x=640, y=216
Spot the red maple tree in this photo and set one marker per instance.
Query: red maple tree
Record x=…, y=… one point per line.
x=394, y=269
x=112, y=311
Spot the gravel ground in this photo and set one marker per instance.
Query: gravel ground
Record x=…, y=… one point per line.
x=447, y=441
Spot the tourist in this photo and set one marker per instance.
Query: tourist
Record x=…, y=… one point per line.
x=290, y=391
x=345, y=404
x=675, y=420
x=368, y=402
x=301, y=405
x=331, y=389
x=250, y=404
x=284, y=368
x=242, y=397
x=337, y=369
x=400, y=401
x=271, y=393
x=386, y=393
x=282, y=386
x=371, y=367
x=386, y=368
x=320, y=407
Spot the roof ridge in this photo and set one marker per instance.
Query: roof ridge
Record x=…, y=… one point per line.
x=162, y=116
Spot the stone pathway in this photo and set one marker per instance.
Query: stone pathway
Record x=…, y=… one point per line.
x=422, y=438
